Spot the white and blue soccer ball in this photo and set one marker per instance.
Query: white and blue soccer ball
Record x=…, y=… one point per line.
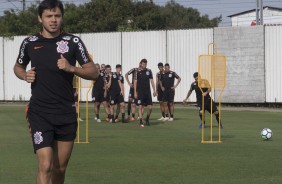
x=266, y=133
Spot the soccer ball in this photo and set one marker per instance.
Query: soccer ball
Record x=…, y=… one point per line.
x=266, y=133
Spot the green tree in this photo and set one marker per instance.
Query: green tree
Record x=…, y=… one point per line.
x=109, y=16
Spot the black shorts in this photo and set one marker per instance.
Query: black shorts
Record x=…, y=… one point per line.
x=116, y=99
x=144, y=98
x=98, y=97
x=47, y=128
x=160, y=95
x=168, y=95
x=207, y=106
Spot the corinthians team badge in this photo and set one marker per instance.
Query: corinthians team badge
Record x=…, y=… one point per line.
x=62, y=47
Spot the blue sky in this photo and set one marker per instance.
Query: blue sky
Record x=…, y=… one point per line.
x=212, y=8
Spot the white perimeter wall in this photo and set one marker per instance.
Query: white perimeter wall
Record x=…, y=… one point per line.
x=273, y=63
x=180, y=48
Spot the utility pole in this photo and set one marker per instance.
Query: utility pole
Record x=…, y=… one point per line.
x=257, y=12
x=23, y=5
x=261, y=12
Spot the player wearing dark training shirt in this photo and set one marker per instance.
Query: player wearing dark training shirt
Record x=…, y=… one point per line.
x=207, y=98
x=52, y=112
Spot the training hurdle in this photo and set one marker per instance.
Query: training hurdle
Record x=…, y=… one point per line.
x=82, y=84
x=212, y=74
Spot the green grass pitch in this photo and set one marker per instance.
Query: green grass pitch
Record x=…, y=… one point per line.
x=164, y=153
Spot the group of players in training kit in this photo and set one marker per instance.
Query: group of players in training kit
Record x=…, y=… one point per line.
x=109, y=91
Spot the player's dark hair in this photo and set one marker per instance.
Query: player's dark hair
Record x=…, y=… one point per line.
x=166, y=64
x=108, y=66
x=195, y=74
x=143, y=61
x=50, y=4
x=160, y=64
x=118, y=66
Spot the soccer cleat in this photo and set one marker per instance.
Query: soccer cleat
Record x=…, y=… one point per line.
x=147, y=123
x=116, y=120
x=98, y=120
x=170, y=119
x=166, y=119
x=221, y=126
x=107, y=120
x=161, y=119
x=132, y=119
x=200, y=126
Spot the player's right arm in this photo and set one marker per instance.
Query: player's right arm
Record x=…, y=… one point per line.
x=189, y=93
x=135, y=85
x=126, y=77
x=22, y=62
x=157, y=82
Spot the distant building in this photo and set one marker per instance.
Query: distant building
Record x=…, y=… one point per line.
x=271, y=16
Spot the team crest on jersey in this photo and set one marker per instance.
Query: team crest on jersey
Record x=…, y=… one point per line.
x=139, y=102
x=102, y=74
x=195, y=84
x=33, y=38
x=120, y=78
x=147, y=73
x=114, y=76
x=62, y=47
x=38, y=138
x=67, y=38
x=112, y=102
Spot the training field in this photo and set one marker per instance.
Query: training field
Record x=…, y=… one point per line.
x=164, y=153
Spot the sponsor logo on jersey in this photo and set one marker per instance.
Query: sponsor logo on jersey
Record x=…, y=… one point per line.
x=112, y=102
x=20, y=61
x=33, y=38
x=38, y=47
x=67, y=38
x=82, y=51
x=170, y=75
x=139, y=102
x=120, y=78
x=37, y=137
x=147, y=73
x=114, y=76
x=62, y=47
x=75, y=40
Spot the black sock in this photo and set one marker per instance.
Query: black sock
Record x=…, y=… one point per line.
x=163, y=114
x=116, y=117
x=147, y=118
x=141, y=121
x=201, y=117
x=113, y=118
x=128, y=108
x=171, y=115
x=109, y=116
x=217, y=118
x=97, y=116
x=133, y=115
x=122, y=116
x=166, y=115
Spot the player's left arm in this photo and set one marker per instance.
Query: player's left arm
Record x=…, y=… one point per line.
x=153, y=84
x=88, y=69
x=178, y=80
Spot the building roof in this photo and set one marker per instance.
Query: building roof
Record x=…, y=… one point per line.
x=252, y=10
